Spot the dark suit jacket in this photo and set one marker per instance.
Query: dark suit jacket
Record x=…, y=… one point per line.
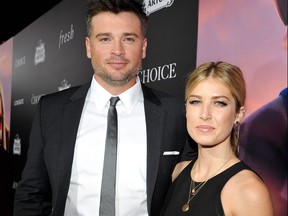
x=46, y=176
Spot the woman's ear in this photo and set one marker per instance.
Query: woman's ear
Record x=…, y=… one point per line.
x=240, y=115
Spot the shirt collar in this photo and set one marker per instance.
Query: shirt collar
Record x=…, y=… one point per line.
x=129, y=98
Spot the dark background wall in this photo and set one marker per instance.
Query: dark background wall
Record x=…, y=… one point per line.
x=49, y=55
x=17, y=14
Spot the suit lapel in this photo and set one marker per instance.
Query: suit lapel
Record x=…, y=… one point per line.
x=154, y=124
x=71, y=118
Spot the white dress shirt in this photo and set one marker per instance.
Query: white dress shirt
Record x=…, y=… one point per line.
x=85, y=185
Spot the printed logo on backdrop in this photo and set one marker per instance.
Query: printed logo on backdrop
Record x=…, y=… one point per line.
x=35, y=99
x=17, y=145
x=20, y=61
x=152, y=6
x=64, y=85
x=19, y=102
x=39, y=52
x=65, y=36
x=164, y=72
x=14, y=185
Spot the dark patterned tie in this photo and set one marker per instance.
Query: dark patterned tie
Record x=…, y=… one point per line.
x=107, y=199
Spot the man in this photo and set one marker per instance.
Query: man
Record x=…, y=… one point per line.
x=64, y=167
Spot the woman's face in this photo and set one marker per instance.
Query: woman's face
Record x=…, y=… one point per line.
x=210, y=113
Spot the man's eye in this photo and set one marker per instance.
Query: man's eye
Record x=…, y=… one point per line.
x=104, y=39
x=129, y=39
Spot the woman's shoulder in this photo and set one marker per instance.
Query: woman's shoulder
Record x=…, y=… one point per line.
x=247, y=182
x=246, y=192
x=179, y=168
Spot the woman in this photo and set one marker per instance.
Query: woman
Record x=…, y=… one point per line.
x=217, y=182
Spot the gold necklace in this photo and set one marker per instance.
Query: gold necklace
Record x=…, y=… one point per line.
x=193, y=190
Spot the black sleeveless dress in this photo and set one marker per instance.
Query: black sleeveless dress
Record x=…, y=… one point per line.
x=207, y=202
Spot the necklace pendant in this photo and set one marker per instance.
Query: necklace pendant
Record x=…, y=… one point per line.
x=185, y=207
x=193, y=191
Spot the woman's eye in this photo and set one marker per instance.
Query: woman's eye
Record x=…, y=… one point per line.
x=194, y=102
x=220, y=103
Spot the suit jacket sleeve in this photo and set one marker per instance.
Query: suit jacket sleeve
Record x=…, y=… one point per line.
x=32, y=195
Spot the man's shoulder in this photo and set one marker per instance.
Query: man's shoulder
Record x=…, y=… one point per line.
x=75, y=92
x=150, y=92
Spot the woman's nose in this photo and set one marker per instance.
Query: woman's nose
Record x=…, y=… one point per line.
x=205, y=113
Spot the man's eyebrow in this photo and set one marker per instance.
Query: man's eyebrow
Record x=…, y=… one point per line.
x=130, y=34
x=103, y=34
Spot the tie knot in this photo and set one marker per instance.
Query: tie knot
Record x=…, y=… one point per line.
x=114, y=100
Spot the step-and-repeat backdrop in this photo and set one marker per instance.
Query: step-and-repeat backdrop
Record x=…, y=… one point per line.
x=49, y=55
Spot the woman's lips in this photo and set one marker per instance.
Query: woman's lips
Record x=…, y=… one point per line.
x=205, y=128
